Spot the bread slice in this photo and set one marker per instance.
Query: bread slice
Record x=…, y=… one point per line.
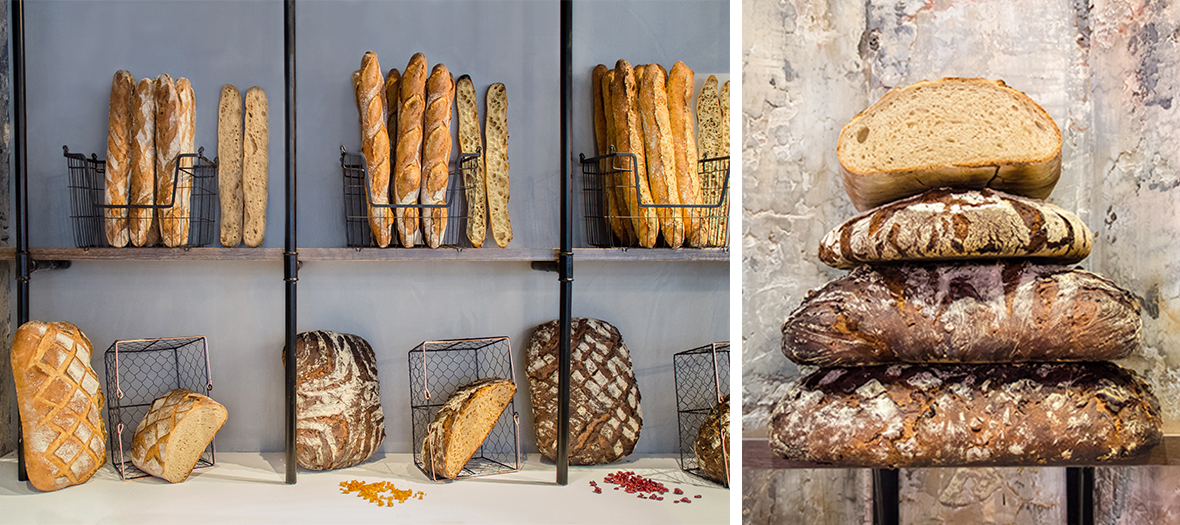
x=176, y=430
x=462, y=425
x=255, y=163
x=954, y=132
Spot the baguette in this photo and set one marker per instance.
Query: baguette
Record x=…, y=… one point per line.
x=143, y=162
x=598, y=109
x=473, y=179
x=375, y=146
x=496, y=129
x=410, y=122
x=118, y=169
x=723, y=97
x=688, y=180
x=436, y=153
x=168, y=146
x=956, y=132
x=719, y=235
x=392, y=96
x=255, y=164
x=709, y=126
x=614, y=184
x=629, y=134
x=229, y=165
x=660, y=153
x=175, y=226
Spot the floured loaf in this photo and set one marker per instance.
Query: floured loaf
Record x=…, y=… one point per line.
x=175, y=432
x=462, y=425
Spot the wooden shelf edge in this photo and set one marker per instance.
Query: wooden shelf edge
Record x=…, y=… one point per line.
x=756, y=454
x=652, y=254
x=426, y=254
x=156, y=254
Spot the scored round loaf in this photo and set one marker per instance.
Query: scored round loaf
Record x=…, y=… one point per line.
x=966, y=415
x=945, y=225
x=955, y=132
x=712, y=443
x=605, y=417
x=462, y=424
x=339, y=421
x=177, y=429
x=963, y=313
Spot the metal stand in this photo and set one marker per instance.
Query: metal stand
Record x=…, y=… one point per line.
x=1079, y=495
x=290, y=250
x=565, y=263
x=20, y=169
x=885, y=497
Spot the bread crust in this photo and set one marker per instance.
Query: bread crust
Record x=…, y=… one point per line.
x=170, y=439
x=436, y=153
x=255, y=167
x=470, y=141
x=497, y=179
x=613, y=183
x=410, y=122
x=229, y=165
x=143, y=162
x=462, y=424
x=174, y=224
x=118, y=168
x=375, y=145
x=660, y=153
x=168, y=146
x=688, y=181
x=629, y=134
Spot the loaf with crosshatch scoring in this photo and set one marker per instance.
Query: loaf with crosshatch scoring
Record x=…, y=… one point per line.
x=605, y=417
x=462, y=425
x=177, y=429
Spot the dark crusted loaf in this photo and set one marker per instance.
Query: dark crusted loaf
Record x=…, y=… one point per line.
x=946, y=415
x=963, y=313
x=944, y=225
x=712, y=443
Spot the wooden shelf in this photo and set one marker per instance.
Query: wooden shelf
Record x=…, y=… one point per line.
x=426, y=254
x=151, y=254
x=756, y=454
x=651, y=254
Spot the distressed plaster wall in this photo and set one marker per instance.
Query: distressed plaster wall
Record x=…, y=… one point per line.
x=809, y=66
x=8, y=427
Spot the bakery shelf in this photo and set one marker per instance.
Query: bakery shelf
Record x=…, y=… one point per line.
x=439, y=254
x=651, y=254
x=153, y=254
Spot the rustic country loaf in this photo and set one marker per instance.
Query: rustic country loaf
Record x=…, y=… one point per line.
x=59, y=400
x=436, y=153
x=143, y=162
x=471, y=141
x=118, y=167
x=971, y=313
x=945, y=224
x=629, y=139
x=229, y=165
x=954, y=132
x=712, y=443
x=375, y=146
x=496, y=177
x=660, y=153
x=957, y=415
x=339, y=421
x=255, y=167
x=177, y=429
x=605, y=417
x=462, y=425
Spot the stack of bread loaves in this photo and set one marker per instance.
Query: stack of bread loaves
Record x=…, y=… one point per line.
x=960, y=338
x=647, y=111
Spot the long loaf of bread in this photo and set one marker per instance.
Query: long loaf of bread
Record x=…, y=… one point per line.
x=604, y=139
x=255, y=164
x=175, y=226
x=471, y=142
x=375, y=145
x=408, y=169
x=614, y=183
x=709, y=126
x=719, y=236
x=436, y=153
x=143, y=161
x=660, y=153
x=629, y=134
x=496, y=129
x=168, y=147
x=688, y=181
x=392, y=96
x=229, y=165
x=118, y=167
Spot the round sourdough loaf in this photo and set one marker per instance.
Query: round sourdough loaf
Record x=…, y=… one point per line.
x=961, y=415
x=605, y=418
x=946, y=225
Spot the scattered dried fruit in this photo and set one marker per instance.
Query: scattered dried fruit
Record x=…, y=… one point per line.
x=372, y=492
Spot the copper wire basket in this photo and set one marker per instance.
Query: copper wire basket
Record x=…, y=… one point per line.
x=702, y=381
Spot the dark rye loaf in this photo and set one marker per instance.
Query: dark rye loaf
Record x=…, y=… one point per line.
x=963, y=313
x=961, y=415
x=339, y=421
x=605, y=418
x=945, y=225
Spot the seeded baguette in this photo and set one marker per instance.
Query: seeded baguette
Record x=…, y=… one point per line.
x=660, y=153
x=470, y=141
x=255, y=164
x=375, y=145
x=629, y=134
x=229, y=165
x=408, y=176
x=143, y=162
x=496, y=129
x=688, y=181
x=719, y=235
x=954, y=132
x=118, y=167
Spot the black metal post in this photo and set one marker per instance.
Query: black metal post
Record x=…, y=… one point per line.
x=565, y=263
x=886, y=492
x=21, y=176
x=1079, y=495
x=290, y=247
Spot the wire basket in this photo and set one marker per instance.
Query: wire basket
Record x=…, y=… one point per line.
x=138, y=372
x=606, y=179
x=87, y=184
x=437, y=370
x=702, y=380
x=358, y=233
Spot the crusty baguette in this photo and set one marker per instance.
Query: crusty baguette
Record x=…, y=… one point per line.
x=229, y=165
x=954, y=132
x=392, y=97
x=436, y=153
x=613, y=182
x=176, y=430
x=470, y=142
x=143, y=161
x=175, y=223
x=629, y=134
x=723, y=97
x=118, y=168
x=718, y=236
x=410, y=121
x=709, y=129
x=603, y=137
x=463, y=423
x=688, y=181
x=375, y=145
x=660, y=153
x=600, y=138
x=255, y=164
x=496, y=129
x=168, y=147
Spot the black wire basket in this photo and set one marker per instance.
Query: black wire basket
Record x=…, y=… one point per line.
x=607, y=178
x=87, y=184
x=141, y=370
x=358, y=233
x=437, y=370
x=702, y=381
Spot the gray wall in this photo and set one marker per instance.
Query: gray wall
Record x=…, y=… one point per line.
x=660, y=308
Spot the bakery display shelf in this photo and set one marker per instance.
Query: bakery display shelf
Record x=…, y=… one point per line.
x=439, y=254
x=155, y=254
x=651, y=255
x=756, y=454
